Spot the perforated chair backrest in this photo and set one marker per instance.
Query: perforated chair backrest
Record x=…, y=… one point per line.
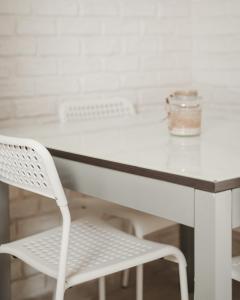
x=27, y=164
x=95, y=109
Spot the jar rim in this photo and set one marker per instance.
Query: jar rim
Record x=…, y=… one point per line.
x=187, y=93
x=185, y=101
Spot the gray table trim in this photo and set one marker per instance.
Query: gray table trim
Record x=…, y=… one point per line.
x=199, y=184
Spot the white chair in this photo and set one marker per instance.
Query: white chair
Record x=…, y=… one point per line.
x=75, y=252
x=143, y=224
x=95, y=109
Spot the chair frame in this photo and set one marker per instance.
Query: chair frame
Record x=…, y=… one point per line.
x=55, y=191
x=24, y=158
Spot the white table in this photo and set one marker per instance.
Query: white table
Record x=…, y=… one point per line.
x=135, y=162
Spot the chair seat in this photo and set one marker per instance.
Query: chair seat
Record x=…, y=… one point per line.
x=95, y=250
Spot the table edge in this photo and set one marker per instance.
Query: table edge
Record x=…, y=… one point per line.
x=199, y=184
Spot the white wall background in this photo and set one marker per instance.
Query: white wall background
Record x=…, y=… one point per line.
x=57, y=50
x=216, y=53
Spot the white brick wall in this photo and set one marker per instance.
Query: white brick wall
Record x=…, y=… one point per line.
x=79, y=65
x=7, y=25
x=52, y=50
x=26, y=107
x=7, y=67
x=57, y=85
x=140, y=45
x=100, y=82
x=17, y=46
x=55, y=7
x=36, y=26
x=16, y=87
x=78, y=26
x=57, y=46
x=15, y=7
x=174, y=8
x=99, y=7
x=121, y=63
x=6, y=109
x=216, y=52
x=36, y=66
x=100, y=46
x=139, y=8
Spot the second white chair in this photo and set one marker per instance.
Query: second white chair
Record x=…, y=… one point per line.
x=141, y=224
x=95, y=109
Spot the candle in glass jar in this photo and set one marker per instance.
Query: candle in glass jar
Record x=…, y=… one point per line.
x=184, y=114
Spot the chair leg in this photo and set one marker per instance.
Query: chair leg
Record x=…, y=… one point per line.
x=102, y=288
x=139, y=282
x=59, y=294
x=126, y=273
x=54, y=295
x=125, y=278
x=183, y=281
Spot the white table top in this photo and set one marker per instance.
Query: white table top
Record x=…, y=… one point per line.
x=142, y=145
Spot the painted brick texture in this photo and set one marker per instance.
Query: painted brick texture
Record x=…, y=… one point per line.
x=216, y=54
x=75, y=49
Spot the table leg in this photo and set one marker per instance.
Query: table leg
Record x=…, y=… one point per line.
x=213, y=246
x=187, y=247
x=4, y=237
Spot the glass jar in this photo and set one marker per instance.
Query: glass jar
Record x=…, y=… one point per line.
x=184, y=113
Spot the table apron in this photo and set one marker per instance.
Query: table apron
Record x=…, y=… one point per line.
x=160, y=198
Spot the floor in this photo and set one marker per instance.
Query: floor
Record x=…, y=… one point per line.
x=160, y=283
